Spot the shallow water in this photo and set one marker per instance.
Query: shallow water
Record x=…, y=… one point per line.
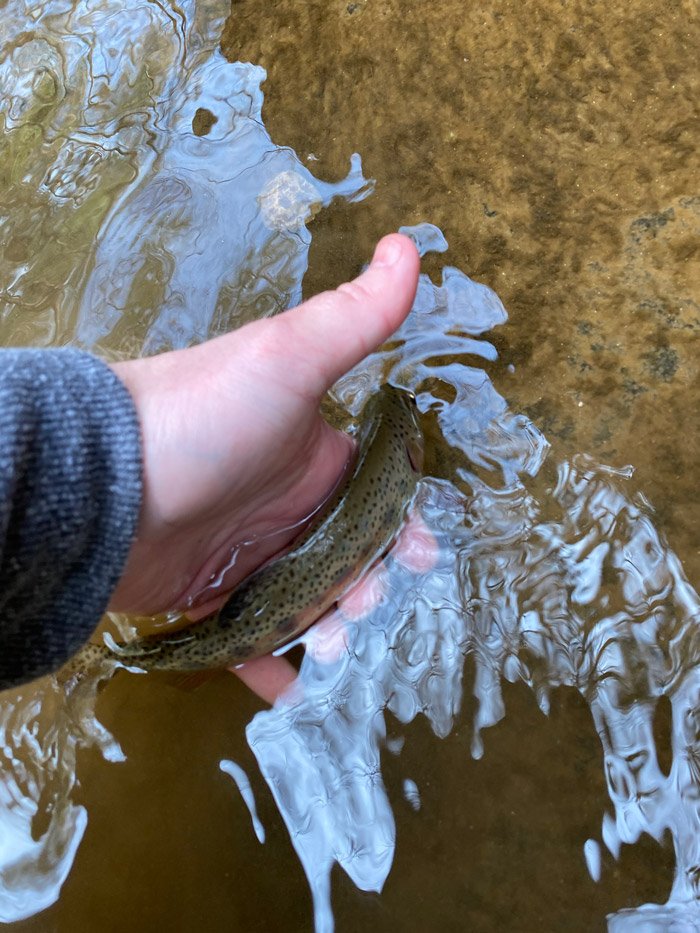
x=550, y=779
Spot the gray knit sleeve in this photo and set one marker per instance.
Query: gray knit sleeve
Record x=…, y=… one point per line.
x=70, y=493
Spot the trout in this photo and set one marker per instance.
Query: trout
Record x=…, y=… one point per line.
x=275, y=603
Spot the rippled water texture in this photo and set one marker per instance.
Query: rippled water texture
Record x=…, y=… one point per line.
x=567, y=584
x=144, y=205
x=449, y=756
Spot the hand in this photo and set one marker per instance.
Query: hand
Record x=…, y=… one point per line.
x=415, y=549
x=235, y=449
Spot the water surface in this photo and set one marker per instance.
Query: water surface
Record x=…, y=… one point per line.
x=511, y=742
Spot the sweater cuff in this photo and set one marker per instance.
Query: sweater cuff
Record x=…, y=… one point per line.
x=70, y=495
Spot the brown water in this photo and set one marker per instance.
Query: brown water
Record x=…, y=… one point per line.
x=555, y=147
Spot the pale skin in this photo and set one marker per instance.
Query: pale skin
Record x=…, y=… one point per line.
x=235, y=449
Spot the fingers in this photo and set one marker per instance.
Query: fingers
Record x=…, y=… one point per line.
x=416, y=549
x=269, y=677
x=327, y=640
x=416, y=546
x=333, y=331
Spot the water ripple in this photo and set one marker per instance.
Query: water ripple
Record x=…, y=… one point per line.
x=146, y=207
x=590, y=597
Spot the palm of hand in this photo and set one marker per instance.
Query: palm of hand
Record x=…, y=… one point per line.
x=236, y=453
x=240, y=458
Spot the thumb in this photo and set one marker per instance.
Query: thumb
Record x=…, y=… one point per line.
x=333, y=331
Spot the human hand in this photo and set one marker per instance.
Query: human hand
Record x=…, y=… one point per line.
x=235, y=450
x=272, y=677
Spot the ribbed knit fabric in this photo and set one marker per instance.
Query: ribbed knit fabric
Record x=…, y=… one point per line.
x=70, y=493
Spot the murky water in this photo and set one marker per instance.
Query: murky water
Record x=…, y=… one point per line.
x=511, y=739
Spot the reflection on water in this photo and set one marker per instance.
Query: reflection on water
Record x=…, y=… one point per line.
x=144, y=206
x=41, y=828
x=214, y=234
x=567, y=584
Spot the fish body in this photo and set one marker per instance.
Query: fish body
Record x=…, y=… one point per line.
x=277, y=602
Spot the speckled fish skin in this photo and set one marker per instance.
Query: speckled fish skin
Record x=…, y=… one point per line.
x=277, y=602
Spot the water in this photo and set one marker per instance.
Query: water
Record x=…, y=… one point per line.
x=552, y=583
x=128, y=125
x=510, y=740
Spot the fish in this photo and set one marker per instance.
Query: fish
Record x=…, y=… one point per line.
x=352, y=531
